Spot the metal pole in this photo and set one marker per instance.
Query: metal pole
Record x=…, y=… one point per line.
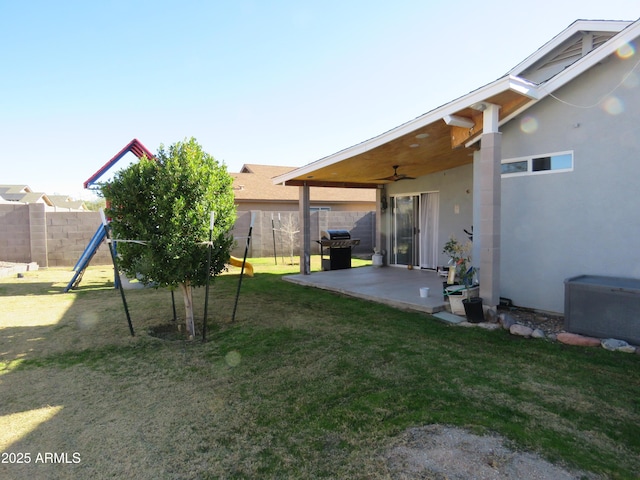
x=115, y=268
x=273, y=232
x=206, y=295
x=244, y=260
x=280, y=238
x=173, y=304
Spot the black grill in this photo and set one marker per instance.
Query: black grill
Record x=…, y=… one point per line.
x=339, y=243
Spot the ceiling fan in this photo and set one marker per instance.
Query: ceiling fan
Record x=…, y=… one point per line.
x=397, y=176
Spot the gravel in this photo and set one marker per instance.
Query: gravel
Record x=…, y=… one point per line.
x=547, y=322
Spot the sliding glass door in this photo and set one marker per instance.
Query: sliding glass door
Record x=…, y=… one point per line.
x=404, y=243
x=414, y=238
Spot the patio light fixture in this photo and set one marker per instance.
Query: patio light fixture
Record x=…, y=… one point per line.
x=458, y=121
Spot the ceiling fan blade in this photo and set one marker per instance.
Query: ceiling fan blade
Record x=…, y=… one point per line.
x=396, y=176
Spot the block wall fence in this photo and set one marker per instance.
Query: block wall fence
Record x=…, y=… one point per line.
x=28, y=234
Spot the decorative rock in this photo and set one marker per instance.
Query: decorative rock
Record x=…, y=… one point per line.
x=491, y=315
x=520, y=330
x=537, y=333
x=488, y=326
x=466, y=324
x=615, y=345
x=577, y=339
x=506, y=320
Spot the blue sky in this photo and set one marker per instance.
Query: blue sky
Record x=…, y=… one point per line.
x=271, y=82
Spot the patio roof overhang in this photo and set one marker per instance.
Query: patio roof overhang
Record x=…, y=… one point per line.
x=425, y=145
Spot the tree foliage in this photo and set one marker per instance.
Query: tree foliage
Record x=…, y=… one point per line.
x=166, y=203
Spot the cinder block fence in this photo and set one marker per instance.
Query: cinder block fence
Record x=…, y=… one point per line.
x=28, y=234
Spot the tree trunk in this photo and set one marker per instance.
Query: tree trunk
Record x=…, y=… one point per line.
x=187, y=294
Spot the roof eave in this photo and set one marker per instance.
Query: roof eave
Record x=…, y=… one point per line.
x=480, y=95
x=627, y=35
x=575, y=27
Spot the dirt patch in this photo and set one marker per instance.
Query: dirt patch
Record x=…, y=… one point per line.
x=169, y=331
x=441, y=452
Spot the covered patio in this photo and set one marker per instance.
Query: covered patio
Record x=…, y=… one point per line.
x=460, y=133
x=394, y=286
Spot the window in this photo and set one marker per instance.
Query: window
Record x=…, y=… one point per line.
x=556, y=162
x=319, y=209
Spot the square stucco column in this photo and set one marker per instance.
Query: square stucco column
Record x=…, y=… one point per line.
x=488, y=232
x=304, y=205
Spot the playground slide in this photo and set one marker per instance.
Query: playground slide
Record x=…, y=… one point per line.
x=237, y=262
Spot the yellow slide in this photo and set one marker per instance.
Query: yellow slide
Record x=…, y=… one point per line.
x=237, y=262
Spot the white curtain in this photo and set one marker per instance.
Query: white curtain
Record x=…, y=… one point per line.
x=429, y=208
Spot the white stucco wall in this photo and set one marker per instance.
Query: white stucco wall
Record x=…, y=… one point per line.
x=456, y=189
x=560, y=225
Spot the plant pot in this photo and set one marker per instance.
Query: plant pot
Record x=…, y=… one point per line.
x=376, y=260
x=457, y=294
x=473, y=309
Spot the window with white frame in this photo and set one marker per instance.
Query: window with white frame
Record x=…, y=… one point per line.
x=536, y=164
x=319, y=209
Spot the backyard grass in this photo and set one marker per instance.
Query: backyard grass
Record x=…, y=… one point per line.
x=304, y=384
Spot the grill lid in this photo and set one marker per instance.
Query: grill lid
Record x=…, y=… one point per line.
x=336, y=234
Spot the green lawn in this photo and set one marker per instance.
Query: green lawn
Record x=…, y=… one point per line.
x=304, y=384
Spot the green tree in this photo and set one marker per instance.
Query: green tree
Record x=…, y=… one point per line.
x=166, y=203
x=95, y=205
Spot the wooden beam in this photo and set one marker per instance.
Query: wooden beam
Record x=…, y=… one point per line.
x=321, y=183
x=461, y=135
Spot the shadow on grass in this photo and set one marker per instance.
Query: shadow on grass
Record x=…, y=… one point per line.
x=304, y=384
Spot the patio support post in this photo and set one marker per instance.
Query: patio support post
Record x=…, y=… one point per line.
x=305, y=218
x=488, y=231
x=378, y=245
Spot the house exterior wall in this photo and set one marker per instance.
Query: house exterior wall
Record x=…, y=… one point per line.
x=455, y=208
x=559, y=225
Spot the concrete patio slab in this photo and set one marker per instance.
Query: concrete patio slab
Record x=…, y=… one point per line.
x=394, y=286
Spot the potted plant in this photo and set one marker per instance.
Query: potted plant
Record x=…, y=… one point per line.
x=460, y=270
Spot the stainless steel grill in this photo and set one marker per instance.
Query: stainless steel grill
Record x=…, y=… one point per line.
x=339, y=244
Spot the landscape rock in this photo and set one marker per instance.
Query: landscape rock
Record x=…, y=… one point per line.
x=577, y=339
x=615, y=345
x=520, y=330
x=488, y=325
x=506, y=320
x=466, y=324
x=491, y=315
x=537, y=333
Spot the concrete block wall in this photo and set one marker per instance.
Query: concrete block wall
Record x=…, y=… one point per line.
x=15, y=236
x=69, y=233
x=360, y=224
x=38, y=234
x=51, y=239
x=57, y=239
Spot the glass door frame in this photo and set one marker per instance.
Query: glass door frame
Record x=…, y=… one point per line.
x=405, y=230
